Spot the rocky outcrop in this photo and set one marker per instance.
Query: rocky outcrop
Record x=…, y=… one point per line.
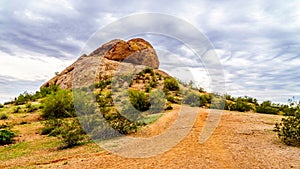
x=136, y=51
x=101, y=64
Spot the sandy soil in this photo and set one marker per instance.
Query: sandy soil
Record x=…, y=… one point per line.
x=241, y=140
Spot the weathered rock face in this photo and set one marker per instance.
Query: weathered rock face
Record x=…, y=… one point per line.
x=116, y=55
x=136, y=51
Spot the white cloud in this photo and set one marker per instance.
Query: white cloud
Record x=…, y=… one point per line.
x=257, y=41
x=30, y=67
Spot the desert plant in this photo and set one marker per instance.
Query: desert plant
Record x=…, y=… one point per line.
x=289, y=129
x=171, y=84
x=3, y=116
x=149, y=70
x=70, y=132
x=6, y=136
x=58, y=105
x=267, y=108
x=147, y=88
x=153, y=83
x=17, y=109
x=192, y=99
x=139, y=100
x=157, y=100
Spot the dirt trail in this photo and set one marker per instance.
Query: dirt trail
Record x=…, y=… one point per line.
x=242, y=140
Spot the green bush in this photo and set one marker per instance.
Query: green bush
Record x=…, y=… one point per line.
x=44, y=91
x=70, y=132
x=6, y=136
x=157, y=100
x=3, y=116
x=58, y=105
x=1, y=105
x=267, y=108
x=139, y=100
x=147, y=88
x=149, y=70
x=289, y=129
x=103, y=84
x=192, y=99
x=31, y=108
x=171, y=99
x=171, y=84
x=240, y=105
x=17, y=109
x=153, y=83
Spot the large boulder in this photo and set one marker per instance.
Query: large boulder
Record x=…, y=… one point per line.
x=102, y=63
x=135, y=51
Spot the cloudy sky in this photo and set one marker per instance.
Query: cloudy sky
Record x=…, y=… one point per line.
x=257, y=42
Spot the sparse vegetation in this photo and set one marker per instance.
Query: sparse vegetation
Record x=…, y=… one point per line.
x=267, y=108
x=171, y=84
x=3, y=116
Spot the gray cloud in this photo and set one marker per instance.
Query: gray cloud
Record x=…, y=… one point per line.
x=259, y=40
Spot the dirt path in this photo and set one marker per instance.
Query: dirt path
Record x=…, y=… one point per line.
x=242, y=140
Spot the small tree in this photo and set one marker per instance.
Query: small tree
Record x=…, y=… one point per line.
x=58, y=105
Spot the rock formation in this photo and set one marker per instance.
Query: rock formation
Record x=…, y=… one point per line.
x=101, y=64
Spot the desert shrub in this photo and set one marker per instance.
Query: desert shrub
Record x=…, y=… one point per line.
x=157, y=100
x=139, y=100
x=172, y=99
x=50, y=126
x=171, y=84
x=130, y=112
x=192, y=99
x=149, y=70
x=147, y=88
x=17, y=109
x=203, y=100
x=3, y=116
x=240, y=106
x=104, y=100
x=124, y=122
x=58, y=105
x=6, y=136
x=84, y=102
x=289, y=129
x=31, y=108
x=267, y=108
x=153, y=83
x=103, y=84
x=70, y=132
x=44, y=91
x=168, y=107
